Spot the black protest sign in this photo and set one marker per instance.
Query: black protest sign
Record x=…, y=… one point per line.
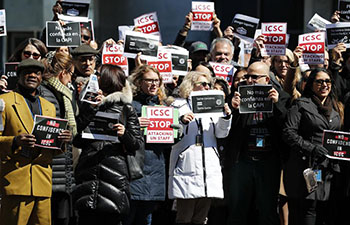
x=67, y=35
x=101, y=127
x=74, y=8
x=10, y=72
x=179, y=63
x=46, y=131
x=136, y=42
x=344, y=9
x=254, y=98
x=336, y=33
x=208, y=102
x=245, y=26
x=337, y=143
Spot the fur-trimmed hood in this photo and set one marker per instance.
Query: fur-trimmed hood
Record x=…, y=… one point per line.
x=124, y=96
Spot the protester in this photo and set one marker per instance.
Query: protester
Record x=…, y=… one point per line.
x=195, y=172
x=221, y=51
x=254, y=170
x=102, y=192
x=317, y=110
x=25, y=169
x=198, y=53
x=54, y=89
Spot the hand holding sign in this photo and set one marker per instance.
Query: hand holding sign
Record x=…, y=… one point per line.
x=119, y=128
x=335, y=17
x=144, y=122
x=25, y=140
x=188, y=117
x=236, y=100
x=337, y=53
x=273, y=95
x=65, y=136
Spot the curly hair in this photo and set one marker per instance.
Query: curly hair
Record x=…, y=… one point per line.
x=188, y=82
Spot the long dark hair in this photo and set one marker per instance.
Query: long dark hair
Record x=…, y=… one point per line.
x=16, y=55
x=112, y=79
x=308, y=92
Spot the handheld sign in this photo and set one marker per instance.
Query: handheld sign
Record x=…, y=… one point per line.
x=313, y=45
x=122, y=29
x=276, y=35
x=113, y=54
x=337, y=143
x=89, y=25
x=11, y=73
x=161, y=119
x=202, y=16
x=46, y=131
x=148, y=23
x=101, y=127
x=244, y=27
x=74, y=10
x=317, y=23
x=344, y=9
x=67, y=35
x=136, y=42
x=163, y=65
x=179, y=57
x=225, y=71
x=207, y=103
x=3, y=31
x=254, y=98
x=89, y=93
x=336, y=33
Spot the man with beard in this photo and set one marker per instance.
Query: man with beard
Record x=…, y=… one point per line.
x=221, y=51
x=26, y=175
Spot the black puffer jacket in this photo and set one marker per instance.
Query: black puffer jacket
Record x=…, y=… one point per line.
x=101, y=174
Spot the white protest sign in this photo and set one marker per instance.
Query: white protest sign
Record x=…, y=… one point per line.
x=74, y=10
x=313, y=45
x=163, y=65
x=225, y=71
x=244, y=27
x=159, y=130
x=202, y=16
x=209, y=103
x=89, y=93
x=3, y=31
x=148, y=23
x=113, y=54
x=275, y=35
x=317, y=23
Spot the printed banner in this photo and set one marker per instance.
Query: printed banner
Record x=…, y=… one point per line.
x=11, y=73
x=101, y=127
x=67, y=35
x=74, y=10
x=254, y=98
x=202, y=16
x=276, y=38
x=136, y=42
x=161, y=120
x=313, y=45
x=46, y=131
x=337, y=143
x=148, y=23
x=317, y=23
x=113, y=54
x=244, y=27
x=3, y=30
x=225, y=71
x=207, y=103
x=336, y=33
x=163, y=65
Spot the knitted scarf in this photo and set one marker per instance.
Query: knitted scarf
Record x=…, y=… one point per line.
x=67, y=100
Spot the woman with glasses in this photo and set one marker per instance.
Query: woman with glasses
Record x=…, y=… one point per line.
x=317, y=110
x=148, y=192
x=195, y=173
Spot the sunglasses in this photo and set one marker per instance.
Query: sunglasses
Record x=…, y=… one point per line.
x=27, y=54
x=253, y=76
x=320, y=81
x=204, y=84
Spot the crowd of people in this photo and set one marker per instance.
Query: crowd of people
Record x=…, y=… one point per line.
x=238, y=169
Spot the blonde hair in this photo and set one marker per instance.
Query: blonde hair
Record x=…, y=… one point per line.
x=137, y=76
x=188, y=82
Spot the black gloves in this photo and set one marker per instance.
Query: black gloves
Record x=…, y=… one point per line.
x=320, y=151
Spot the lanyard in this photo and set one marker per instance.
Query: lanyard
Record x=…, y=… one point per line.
x=31, y=110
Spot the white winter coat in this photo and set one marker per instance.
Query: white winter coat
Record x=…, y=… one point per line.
x=189, y=177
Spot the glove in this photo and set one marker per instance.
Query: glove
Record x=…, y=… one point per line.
x=320, y=151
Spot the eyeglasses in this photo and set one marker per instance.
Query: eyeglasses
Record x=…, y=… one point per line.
x=151, y=81
x=204, y=84
x=27, y=54
x=320, y=81
x=253, y=76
